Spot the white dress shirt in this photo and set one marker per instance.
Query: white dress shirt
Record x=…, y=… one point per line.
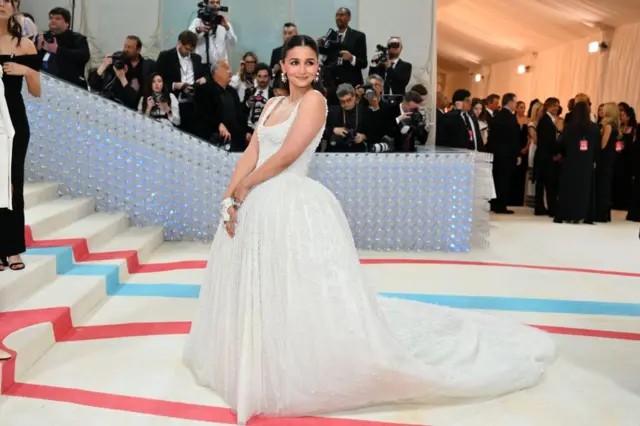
x=341, y=37
x=218, y=42
x=187, y=73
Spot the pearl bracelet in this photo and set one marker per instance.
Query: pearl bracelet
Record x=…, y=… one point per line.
x=224, y=208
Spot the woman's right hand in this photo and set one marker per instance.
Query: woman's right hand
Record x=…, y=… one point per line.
x=231, y=225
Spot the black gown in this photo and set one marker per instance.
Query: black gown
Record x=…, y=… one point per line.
x=519, y=177
x=576, y=193
x=12, y=241
x=622, y=174
x=604, y=176
x=634, y=207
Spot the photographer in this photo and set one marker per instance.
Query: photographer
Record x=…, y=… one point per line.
x=215, y=34
x=158, y=103
x=345, y=51
x=256, y=98
x=396, y=72
x=122, y=75
x=381, y=115
x=288, y=31
x=183, y=73
x=64, y=53
x=348, y=125
x=411, y=123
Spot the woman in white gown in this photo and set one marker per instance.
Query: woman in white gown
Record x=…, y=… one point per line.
x=285, y=324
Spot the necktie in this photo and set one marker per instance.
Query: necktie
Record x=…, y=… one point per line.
x=467, y=122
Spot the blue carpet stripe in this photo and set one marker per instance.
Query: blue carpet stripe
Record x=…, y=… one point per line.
x=111, y=273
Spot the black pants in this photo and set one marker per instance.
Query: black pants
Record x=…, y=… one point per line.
x=188, y=119
x=12, y=221
x=547, y=176
x=503, y=171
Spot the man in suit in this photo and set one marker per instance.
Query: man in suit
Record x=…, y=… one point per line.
x=352, y=56
x=546, y=161
x=493, y=105
x=68, y=53
x=288, y=31
x=220, y=113
x=442, y=102
x=504, y=144
x=395, y=72
x=461, y=127
x=183, y=72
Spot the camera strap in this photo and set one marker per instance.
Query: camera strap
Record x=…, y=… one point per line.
x=344, y=117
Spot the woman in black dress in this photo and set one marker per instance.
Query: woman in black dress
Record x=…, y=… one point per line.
x=604, y=162
x=579, y=145
x=623, y=163
x=19, y=61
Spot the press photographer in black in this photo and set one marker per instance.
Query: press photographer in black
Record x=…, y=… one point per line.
x=183, y=73
x=122, y=75
x=349, y=124
x=382, y=120
x=344, y=51
x=64, y=53
x=410, y=123
x=256, y=98
x=395, y=72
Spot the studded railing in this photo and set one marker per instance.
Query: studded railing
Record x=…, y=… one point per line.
x=93, y=147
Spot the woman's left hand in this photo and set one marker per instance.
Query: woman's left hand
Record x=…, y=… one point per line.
x=12, y=68
x=241, y=192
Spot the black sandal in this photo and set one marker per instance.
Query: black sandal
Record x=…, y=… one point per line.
x=17, y=266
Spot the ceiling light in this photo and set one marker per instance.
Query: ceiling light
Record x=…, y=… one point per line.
x=478, y=78
x=522, y=69
x=594, y=47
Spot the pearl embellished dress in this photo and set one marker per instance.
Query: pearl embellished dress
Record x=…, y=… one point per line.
x=286, y=325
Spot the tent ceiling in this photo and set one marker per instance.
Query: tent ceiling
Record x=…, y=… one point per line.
x=472, y=32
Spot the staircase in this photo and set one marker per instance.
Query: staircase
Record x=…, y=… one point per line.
x=75, y=258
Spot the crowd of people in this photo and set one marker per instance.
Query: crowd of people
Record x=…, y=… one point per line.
x=581, y=165
x=193, y=86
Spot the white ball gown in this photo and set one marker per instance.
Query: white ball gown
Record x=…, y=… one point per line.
x=286, y=326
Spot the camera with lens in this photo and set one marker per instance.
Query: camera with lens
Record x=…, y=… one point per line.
x=381, y=56
x=416, y=121
x=386, y=144
x=119, y=60
x=369, y=92
x=330, y=47
x=210, y=15
x=49, y=36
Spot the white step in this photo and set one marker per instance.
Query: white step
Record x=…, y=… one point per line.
x=54, y=215
x=97, y=229
x=16, y=286
x=79, y=293
x=40, y=192
x=142, y=240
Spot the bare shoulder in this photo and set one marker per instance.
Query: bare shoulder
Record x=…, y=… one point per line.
x=27, y=47
x=314, y=102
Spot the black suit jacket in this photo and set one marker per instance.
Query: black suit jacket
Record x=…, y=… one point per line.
x=69, y=61
x=276, y=57
x=395, y=79
x=504, y=136
x=168, y=66
x=455, y=133
x=547, y=145
x=209, y=114
x=356, y=43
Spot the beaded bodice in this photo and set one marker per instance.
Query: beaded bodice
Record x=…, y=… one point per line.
x=271, y=139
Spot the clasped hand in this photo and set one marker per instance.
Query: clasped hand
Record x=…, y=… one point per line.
x=239, y=195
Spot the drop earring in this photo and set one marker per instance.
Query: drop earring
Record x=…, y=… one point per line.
x=317, y=79
x=284, y=78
